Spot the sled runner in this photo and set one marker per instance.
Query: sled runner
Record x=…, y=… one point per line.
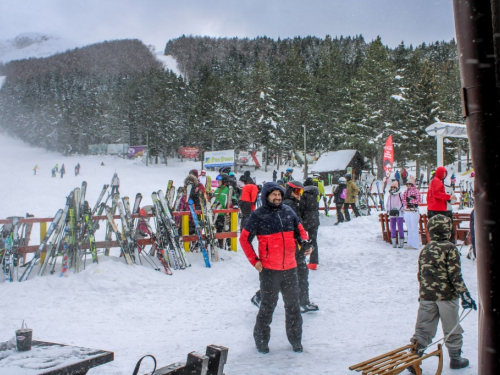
x=398, y=360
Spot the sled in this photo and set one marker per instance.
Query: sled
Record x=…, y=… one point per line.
x=398, y=360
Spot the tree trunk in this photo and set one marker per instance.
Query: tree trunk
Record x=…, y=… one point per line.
x=459, y=158
x=380, y=165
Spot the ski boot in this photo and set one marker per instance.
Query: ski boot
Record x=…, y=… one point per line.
x=394, y=243
x=456, y=360
x=297, y=348
x=401, y=242
x=308, y=308
x=256, y=301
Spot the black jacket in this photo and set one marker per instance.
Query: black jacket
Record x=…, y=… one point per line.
x=309, y=207
x=337, y=192
x=291, y=201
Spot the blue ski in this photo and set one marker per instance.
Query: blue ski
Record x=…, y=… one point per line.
x=198, y=232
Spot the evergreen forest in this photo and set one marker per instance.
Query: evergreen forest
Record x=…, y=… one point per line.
x=239, y=93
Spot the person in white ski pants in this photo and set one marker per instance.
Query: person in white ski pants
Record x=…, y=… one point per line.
x=411, y=200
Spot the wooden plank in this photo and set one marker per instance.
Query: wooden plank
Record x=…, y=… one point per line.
x=197, y=364
x=409, y=346
x=217, y=359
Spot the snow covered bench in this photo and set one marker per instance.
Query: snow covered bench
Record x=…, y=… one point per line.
x=398, y=360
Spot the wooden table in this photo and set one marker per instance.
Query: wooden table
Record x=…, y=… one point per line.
x=48, y=358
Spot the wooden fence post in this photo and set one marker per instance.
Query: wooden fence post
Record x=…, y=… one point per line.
x=234, y=228
x=185, y=230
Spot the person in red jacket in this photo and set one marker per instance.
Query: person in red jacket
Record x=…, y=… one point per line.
x=248, y=197
x=437, y=198
x=278, y=230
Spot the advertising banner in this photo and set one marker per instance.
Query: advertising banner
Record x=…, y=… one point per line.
x=135, y=151
x=218, y=159
x=188, y=152
x=250, y=158
x=388, y=160
x=100, y=149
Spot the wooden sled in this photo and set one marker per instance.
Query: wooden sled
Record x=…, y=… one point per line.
x=397, y=361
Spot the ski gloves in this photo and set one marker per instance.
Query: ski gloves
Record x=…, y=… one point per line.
x=467, y=301
x=305, y=245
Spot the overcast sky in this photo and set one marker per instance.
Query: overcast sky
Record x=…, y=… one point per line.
x=157, y=21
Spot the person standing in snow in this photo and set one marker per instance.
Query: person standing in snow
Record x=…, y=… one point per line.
x=63, y=171
x=397, y=177
x=115, y=184
x=394, y=206
x=248, y=198
x=309, y=214
x=57, y=168
x=441, y=285
x=221, y=195
x=411, y=199
x=275, y=175
x=453, y=180
x=288, y=175
x=278, y=230
x=352, y=196
x=404, y=176
x=437, y=198
x=339, y=196
x=35, y=169
x=77, y=169
x=54, y=172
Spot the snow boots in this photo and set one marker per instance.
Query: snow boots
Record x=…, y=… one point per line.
x=263, y=349
x=256, y=300
x=420, y=353
x=394, y=242
x=456, y=360
x=401, y=242
x=297, y=348
x=309, y=307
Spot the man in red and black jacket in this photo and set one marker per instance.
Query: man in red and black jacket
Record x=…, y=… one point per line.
x=437, y=198
x=278, y=229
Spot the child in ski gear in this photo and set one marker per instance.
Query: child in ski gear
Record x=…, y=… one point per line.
x=54, y=172
x=339, y=196
x=35, y=169
x=411, y=199
x=278, y=230
x=394, y=206
x=441, y=285
x=309, y=214
x=115, y=184
x=453, y=180
x=352, y=196
x=57, y=168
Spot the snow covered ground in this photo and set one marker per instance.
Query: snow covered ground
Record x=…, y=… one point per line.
x=366, y=290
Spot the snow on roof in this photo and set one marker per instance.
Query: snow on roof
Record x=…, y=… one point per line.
x=333, y=161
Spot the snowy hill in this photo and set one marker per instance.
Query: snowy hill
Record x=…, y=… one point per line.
x=366, y=290
x=37, y=45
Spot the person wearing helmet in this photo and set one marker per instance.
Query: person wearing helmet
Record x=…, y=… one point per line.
x=249, y=193
x=194, y=187
x=115, y=184
x=352, y=196
x=288, y=175
x=221, y=203
x=339, y=196
x=278, y=230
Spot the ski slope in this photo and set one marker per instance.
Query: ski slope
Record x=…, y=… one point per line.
x=366, y=290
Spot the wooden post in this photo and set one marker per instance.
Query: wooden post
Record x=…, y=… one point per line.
x=43, y=232
x=234, y=228
x=185, y=230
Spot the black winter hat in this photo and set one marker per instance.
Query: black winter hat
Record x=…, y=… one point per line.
x=309, y=181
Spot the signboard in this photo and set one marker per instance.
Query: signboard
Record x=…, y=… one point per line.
x=117, y=148
x=218, y=159
x=135, y=151
x=188, y=152
x=250, y=158
x=100, y=149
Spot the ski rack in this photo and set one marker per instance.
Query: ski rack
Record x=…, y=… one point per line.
x=186, y=238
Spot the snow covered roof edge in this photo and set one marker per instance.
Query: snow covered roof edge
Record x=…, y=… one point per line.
x=333, y=161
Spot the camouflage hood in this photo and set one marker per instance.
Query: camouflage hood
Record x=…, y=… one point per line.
x=439, y=227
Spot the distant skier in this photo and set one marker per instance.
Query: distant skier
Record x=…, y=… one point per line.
x=34, y=169
x=54, y=172
x=57, y=168
x=339, y=196
x=102, y=164
x=288, y=175
x=115, y=184
x=350, y=200
x=63, y=171
x=77, y=169
x=275, y=175
x=404, y=176
x=453, y=180
x=397, y=176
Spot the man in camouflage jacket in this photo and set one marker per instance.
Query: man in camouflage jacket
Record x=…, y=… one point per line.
x=441, y=285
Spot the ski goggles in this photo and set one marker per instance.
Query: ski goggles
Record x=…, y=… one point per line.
x=298, y=191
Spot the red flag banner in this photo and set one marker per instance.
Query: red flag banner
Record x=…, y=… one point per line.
x=388, y=159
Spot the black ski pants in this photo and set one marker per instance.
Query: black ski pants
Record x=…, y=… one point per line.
x=313, y=236
x=273, y=282
x=354, y=208
x=340, y=215
x=246, y=210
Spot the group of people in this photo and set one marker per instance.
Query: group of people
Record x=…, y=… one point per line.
x=56, y=170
